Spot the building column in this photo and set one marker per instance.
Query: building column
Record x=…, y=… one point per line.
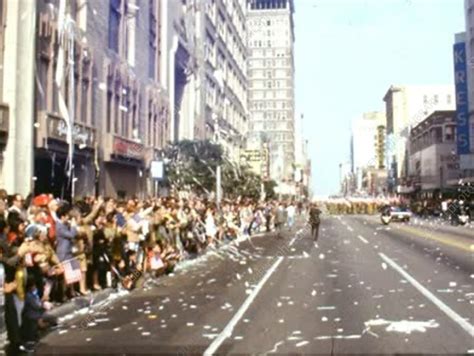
x=20, y=36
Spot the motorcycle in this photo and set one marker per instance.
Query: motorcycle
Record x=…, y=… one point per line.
x=385, y=219
x=462, y=219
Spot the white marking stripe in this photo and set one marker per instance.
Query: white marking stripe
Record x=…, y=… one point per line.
x=436, y=301
x=292, y=241
x=227, y=332
x=363, y=240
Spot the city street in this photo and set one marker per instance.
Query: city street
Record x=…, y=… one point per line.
x=364, y=288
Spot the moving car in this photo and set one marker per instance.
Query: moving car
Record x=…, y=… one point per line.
x=400, y=214
x=394, y=213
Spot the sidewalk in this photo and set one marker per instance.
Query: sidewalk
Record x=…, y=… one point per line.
x=69, y=308
x=63, y=309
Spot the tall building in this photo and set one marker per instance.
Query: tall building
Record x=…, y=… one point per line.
x=463, y=58
x=179, y=75
x=17, y=65
x=101, y=96
x=405, y=107
x=221, y=52
x=271, y=78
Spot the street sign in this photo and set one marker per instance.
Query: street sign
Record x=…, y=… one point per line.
x=157, y=171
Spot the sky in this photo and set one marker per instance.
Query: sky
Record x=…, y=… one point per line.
x=349, y=52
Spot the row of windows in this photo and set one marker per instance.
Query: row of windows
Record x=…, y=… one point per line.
x=274, y=104
x=259, y=63
x=269, y=43
x=275, y=73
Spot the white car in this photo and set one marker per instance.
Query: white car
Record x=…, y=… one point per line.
x=400, y=214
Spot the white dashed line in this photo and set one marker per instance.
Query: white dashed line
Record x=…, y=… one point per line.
x=227, y=332
x=436, y=301
x=361, y=238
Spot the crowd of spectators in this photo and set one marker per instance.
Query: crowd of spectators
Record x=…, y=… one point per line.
x=52, y=250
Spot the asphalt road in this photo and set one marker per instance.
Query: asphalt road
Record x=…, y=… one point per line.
x=363, y=289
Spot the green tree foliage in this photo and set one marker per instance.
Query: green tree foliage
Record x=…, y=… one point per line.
x=193, y=165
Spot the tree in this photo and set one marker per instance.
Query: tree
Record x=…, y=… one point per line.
x=194, y=164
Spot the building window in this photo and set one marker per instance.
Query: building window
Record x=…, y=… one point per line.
x=115, y=17
x=123, y=99
x=449, y=133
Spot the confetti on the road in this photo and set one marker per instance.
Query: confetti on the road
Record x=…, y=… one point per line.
x=302, y=343
x=321, y=256
x=189, y=324
x=384, y=265
x=62, y=332
x=313, y=293
x=324, y=319
x=328, y=307
x=88, y=339
x=281, y=321
x=152, y=316
x=146, y=333
x=453, y=284
x=238, y=338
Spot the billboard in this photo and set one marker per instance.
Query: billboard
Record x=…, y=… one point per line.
x=462, y=104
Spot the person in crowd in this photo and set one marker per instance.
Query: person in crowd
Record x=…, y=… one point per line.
x=291, y=213
x=17, y=206
x=66, y=234
x=35, y=315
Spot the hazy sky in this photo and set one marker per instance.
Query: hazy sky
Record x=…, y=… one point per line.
x=348, y=53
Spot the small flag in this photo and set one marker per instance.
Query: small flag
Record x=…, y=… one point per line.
x=156, y=263
x=72, y=271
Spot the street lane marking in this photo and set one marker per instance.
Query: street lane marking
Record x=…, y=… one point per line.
x=227, y=332
x=439, y=237
x=435, y=300
x=292, y=241
x=362, y=239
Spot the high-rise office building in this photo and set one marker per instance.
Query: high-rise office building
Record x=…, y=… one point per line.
x=271, y=79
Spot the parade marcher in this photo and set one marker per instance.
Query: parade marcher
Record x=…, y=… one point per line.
x=314, y=221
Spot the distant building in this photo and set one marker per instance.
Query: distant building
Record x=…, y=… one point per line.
x=271, y=82
x=463, y=60
x=367, y=138
x=405, y=107
x=433, y=161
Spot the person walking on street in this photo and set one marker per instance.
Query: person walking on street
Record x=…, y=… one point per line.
x=281, y=218
x=314, y=221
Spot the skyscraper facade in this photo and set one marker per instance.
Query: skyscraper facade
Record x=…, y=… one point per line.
x=271, y=77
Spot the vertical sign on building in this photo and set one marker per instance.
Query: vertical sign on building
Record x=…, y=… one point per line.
x=462, y=109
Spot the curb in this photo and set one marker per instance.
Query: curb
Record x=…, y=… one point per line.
x=66, y=308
